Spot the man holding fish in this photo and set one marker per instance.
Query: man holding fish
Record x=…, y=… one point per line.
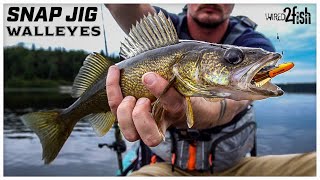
x=186, y=97
x=182, y=146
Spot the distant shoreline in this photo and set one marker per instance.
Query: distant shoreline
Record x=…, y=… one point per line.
x=299, y=87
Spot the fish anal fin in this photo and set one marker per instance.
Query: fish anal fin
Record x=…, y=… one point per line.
x=102, y=122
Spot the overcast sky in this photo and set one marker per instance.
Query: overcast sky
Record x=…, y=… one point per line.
x=297, y=41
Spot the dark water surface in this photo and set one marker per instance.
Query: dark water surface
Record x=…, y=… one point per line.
x=285, y=125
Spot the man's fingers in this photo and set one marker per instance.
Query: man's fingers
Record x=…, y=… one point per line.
x=113, y=88
x=172, y=101
x=124, y=115
x=145, y=124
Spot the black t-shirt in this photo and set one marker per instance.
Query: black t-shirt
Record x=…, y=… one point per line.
x=250, y=37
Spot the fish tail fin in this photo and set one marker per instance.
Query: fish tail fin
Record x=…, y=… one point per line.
x=51, y=130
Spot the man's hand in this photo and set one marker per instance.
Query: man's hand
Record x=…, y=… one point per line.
x=135, y=118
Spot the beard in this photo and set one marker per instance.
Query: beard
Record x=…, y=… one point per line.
x=208, y=25
x=214, y=16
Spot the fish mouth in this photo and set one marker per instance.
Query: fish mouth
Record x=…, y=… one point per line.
x=264, y=87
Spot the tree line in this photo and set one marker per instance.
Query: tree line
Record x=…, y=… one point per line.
x=33, y=67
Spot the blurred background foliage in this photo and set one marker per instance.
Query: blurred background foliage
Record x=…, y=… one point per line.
x=39, y=68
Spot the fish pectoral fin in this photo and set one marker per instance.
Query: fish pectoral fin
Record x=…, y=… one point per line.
x=102, y=122
x=189, y=113
x=51, y=130
x=94, y=67
x=171, y=81
x=157, y=111
x=157, y=108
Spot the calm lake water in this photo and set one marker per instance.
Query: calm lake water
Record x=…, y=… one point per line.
x=285, y=125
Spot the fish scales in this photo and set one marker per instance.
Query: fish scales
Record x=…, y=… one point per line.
x=159, y=61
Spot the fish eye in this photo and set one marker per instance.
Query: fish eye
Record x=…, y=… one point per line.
x=234, y=56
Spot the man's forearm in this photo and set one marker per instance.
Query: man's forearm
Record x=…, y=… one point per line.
x=232, y=109
x=208, y=114
x=128, y=14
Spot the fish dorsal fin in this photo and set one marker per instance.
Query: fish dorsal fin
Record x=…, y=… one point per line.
x=102, y=122
x=150, y=33
x=93, y=68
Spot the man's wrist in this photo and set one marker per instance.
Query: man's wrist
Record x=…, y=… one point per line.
x=229, y=109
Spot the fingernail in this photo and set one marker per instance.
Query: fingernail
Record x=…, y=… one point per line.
x=141, y=101
x=149, y=78
x=128, y=98
x=113, y=67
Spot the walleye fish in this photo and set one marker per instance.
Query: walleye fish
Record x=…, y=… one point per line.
x=194, y=68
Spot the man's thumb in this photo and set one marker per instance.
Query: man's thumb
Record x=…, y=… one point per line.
x=154, y=83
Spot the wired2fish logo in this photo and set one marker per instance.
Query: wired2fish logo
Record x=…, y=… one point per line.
x=291, y=15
